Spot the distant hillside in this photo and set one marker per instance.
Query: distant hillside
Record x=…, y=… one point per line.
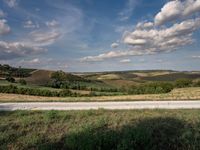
x=173, y=76
x=99, y=79
x=39, y=77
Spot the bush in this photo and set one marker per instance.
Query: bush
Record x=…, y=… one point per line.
x=10, y=79
x=181, y=83
x=22, y=82
x=196, y=84
x=152, y=88
x=36, y=92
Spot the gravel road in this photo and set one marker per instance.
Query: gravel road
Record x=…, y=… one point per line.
x=99, y=105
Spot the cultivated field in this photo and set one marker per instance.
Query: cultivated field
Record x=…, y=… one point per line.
x=176, y=94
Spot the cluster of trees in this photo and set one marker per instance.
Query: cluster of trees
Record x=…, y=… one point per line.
x=6, y=70
x=12, y=80
x=162, y=87
x=60, y=79
x=37, y=92
x=152, y=88
x=182, y=83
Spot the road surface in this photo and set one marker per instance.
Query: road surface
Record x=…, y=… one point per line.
x=99, y=105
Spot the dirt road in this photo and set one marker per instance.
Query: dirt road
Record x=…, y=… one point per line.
x=99, y=105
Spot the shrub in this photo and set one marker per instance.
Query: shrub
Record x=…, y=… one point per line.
x=196, y=84
x=181, y=83
x=10, y=79
x=36, y=92
x=22, y=82
x=65, y=92
x=152, y=88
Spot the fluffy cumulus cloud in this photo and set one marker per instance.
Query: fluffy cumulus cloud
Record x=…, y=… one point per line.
x=143, y=41
x=177, y=9
x=151, y=38
x=164, y=39
x=114, y=45
x=4, y=28
x=33, y=45
x=142, y=25
x=9, y=50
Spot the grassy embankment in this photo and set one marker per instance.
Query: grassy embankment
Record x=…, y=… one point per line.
x=100, y=129
x=192, y=93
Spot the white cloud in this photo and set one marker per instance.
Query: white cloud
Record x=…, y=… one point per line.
x=36, y=60
x=30, y=24
x=114, y=45
x=2, y=14
x=177, y=9
x=144, y=25
x=11, y=3
x=198, y=57
x=10, y=50
x=4, y=28
x=111, y=54
x=30, y=62
x=165, y=39
x=154, y=40
x=125, y=61
x=131, y=41
x=52, y=23
x=126, y=13
x=44, y=38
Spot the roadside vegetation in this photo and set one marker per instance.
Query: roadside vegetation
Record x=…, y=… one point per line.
x=100, y=129
x=191, y=93
x=35, y=91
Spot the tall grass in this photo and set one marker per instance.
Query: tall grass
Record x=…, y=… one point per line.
x=101, y=130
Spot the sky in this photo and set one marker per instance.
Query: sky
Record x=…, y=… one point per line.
x=100, y=35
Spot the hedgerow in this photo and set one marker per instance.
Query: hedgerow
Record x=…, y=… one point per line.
x=152, y=88
x=36, y=92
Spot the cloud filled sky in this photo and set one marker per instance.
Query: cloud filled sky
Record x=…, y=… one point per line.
x=100, y=35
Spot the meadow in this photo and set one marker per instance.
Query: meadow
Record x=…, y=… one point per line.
x=100, y=129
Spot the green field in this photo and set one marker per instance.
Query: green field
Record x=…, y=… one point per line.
x=100, y=129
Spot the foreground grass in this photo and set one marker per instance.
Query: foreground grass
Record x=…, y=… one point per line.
x=192, y=93
x=100, y=129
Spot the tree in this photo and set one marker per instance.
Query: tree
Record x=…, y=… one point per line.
x=10, y=79
x=58, y=79
x=22, y=82
x=181, y=83
x=59, y=76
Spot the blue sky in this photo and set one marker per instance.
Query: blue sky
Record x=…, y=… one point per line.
x=100, y=35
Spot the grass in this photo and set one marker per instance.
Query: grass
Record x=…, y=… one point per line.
x=100, y=129
x=192, y=93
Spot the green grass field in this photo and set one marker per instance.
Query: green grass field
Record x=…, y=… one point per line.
x=100, y=129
